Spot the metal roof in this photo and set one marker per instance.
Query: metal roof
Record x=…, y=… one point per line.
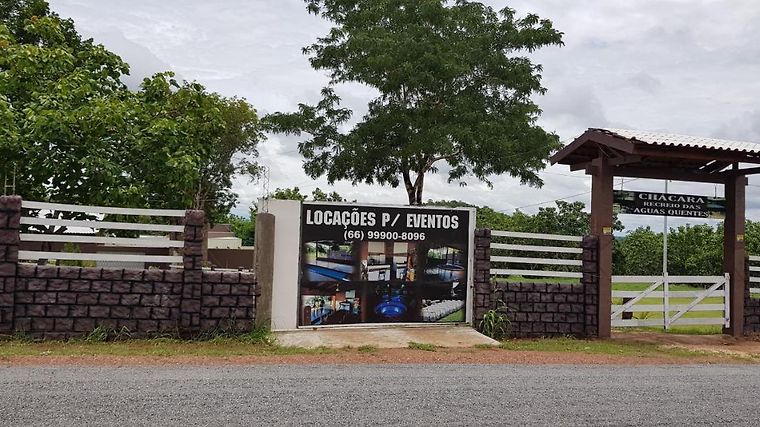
x=667, y=139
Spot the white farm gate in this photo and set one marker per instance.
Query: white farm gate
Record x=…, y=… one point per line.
x=709, y=306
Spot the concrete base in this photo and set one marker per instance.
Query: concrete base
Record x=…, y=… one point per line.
x=384, y=336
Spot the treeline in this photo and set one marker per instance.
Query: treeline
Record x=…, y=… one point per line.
x=692, y=249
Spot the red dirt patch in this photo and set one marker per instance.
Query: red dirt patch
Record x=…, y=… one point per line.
x=382, y=356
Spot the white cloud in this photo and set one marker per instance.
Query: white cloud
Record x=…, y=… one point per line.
x=682, y=66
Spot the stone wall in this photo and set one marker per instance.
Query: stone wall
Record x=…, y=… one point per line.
x=482, y=298
x=539, y=309
x=751, y=306
x=59, y=302
x=542, y=309
x=10, y=217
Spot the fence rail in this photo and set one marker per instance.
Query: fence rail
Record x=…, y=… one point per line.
x=673, y=311
x=106, y=246
x=545, y=258
x=754, y=277
x=102, y=209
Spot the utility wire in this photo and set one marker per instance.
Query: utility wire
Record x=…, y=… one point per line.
x=561, y=198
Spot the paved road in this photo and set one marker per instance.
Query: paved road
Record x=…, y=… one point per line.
x=380, y=395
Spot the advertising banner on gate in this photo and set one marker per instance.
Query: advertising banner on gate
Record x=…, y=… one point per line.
x=664, y=204
x=377, y=264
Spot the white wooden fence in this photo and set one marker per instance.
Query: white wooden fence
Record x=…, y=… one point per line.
x=530, y=259
x=86, y=233
x=754, y=275
x=717, y=289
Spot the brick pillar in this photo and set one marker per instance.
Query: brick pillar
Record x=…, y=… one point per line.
x=192, y=259
x=482, y=278
x=590, y=281
x=10, y=217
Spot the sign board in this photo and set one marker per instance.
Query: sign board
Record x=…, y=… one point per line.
x=664, y=204
x=377, y=264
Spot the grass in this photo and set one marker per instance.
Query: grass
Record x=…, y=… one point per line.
x=369, y=349
x=153, y=347
x=617, y=348
x=421, y=346
x=102, y=342
x=696, y=329
x=457, y=316
x=679, y=330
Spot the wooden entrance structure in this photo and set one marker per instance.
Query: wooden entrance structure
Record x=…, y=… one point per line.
x=607, y=153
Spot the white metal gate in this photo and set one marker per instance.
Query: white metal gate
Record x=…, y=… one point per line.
x=634, y=309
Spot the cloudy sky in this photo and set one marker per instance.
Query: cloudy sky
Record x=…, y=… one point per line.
x=678, y=66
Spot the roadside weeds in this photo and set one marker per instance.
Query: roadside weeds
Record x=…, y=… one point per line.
x=263, y=350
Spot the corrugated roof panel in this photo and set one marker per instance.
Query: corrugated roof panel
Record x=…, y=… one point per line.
x=658, y=138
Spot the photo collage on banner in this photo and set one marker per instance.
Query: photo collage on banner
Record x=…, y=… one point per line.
x=374, y=264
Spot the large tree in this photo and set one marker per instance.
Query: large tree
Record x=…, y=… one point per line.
x=203, y=139
x=72, y=132
x=455, y=92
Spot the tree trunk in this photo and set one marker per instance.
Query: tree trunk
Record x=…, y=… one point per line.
x=410, y=188
x=414, y=189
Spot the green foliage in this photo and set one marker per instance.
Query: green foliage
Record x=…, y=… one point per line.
x=103, y=334
x=74, y=133
x=244, y=228
x=73, y=248
x=288, y=194
x=455, y=85
x=421, y=346
x=566, y=218
x=695, y=250
x=692, y=249
x=203, y=138
x=752, y=237
x=319, y=196
x=369, y=349
x=640, y=253
x=295, y=194
x=494, y=325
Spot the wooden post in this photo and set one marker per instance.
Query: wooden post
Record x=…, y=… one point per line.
x=733, y=251
x=601, y=226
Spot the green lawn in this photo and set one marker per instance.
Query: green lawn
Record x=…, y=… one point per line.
x=151, y=347
x=457, y=316
x=673, y=301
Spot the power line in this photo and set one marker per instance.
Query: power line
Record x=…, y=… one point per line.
x=562, y=198
x=549, y=201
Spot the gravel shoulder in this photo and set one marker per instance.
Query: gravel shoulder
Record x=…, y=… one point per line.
x=419, y=394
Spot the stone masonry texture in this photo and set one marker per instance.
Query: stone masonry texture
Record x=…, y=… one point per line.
x=751, y=306
x=60, y=302
x=539, y=309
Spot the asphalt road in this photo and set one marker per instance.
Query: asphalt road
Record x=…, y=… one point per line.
x=380, y=395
